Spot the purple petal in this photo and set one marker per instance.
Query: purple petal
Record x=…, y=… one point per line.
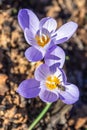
x=23, y=18
x=48, y=96
x=62, y=40
x=49, y=47
x=52, y=46
x=58, y=73
x=48, y=23
x=29, y=88
x=66, y=31
x=64, y=76
x=27, y=19
x=70, y=95
x=44, y=31
x=54, y=67
x=50, y=56
x=30, y=38
x=33, y=22
x=57, y=52
x=42, y=72
x=33, y=55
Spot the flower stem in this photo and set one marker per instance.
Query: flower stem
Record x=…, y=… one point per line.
x=38, y=118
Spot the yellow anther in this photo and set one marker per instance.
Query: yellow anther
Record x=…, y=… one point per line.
x=52, y=82
x=42, y=40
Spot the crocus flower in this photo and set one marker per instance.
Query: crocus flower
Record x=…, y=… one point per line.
x=50, y=86
x=42, y=35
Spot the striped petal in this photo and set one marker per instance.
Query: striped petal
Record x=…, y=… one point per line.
x=29, y=88
x=70, y=95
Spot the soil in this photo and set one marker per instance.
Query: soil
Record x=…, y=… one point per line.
x=16, y=112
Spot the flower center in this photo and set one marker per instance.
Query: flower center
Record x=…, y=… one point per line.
x=42, y=40
x=52, y=82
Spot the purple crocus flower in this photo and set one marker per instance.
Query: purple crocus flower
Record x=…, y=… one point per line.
x=50, y=86
x=42, y=35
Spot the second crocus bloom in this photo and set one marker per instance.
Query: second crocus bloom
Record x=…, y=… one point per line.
x=50, y=85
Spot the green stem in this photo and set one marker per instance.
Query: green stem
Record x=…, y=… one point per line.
x=40, y=116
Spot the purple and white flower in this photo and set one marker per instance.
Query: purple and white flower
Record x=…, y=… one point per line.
x=50, y=86
x=42, y=35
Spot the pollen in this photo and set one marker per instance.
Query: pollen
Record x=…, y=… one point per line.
x=52, y=82
x=42, y=40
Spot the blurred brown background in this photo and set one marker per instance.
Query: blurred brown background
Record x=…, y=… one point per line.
x=17, y=113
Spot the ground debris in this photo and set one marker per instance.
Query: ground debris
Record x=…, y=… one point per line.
x=16, y=112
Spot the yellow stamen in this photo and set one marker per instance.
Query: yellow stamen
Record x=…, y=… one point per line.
x=52, y=82
x=42, y=40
